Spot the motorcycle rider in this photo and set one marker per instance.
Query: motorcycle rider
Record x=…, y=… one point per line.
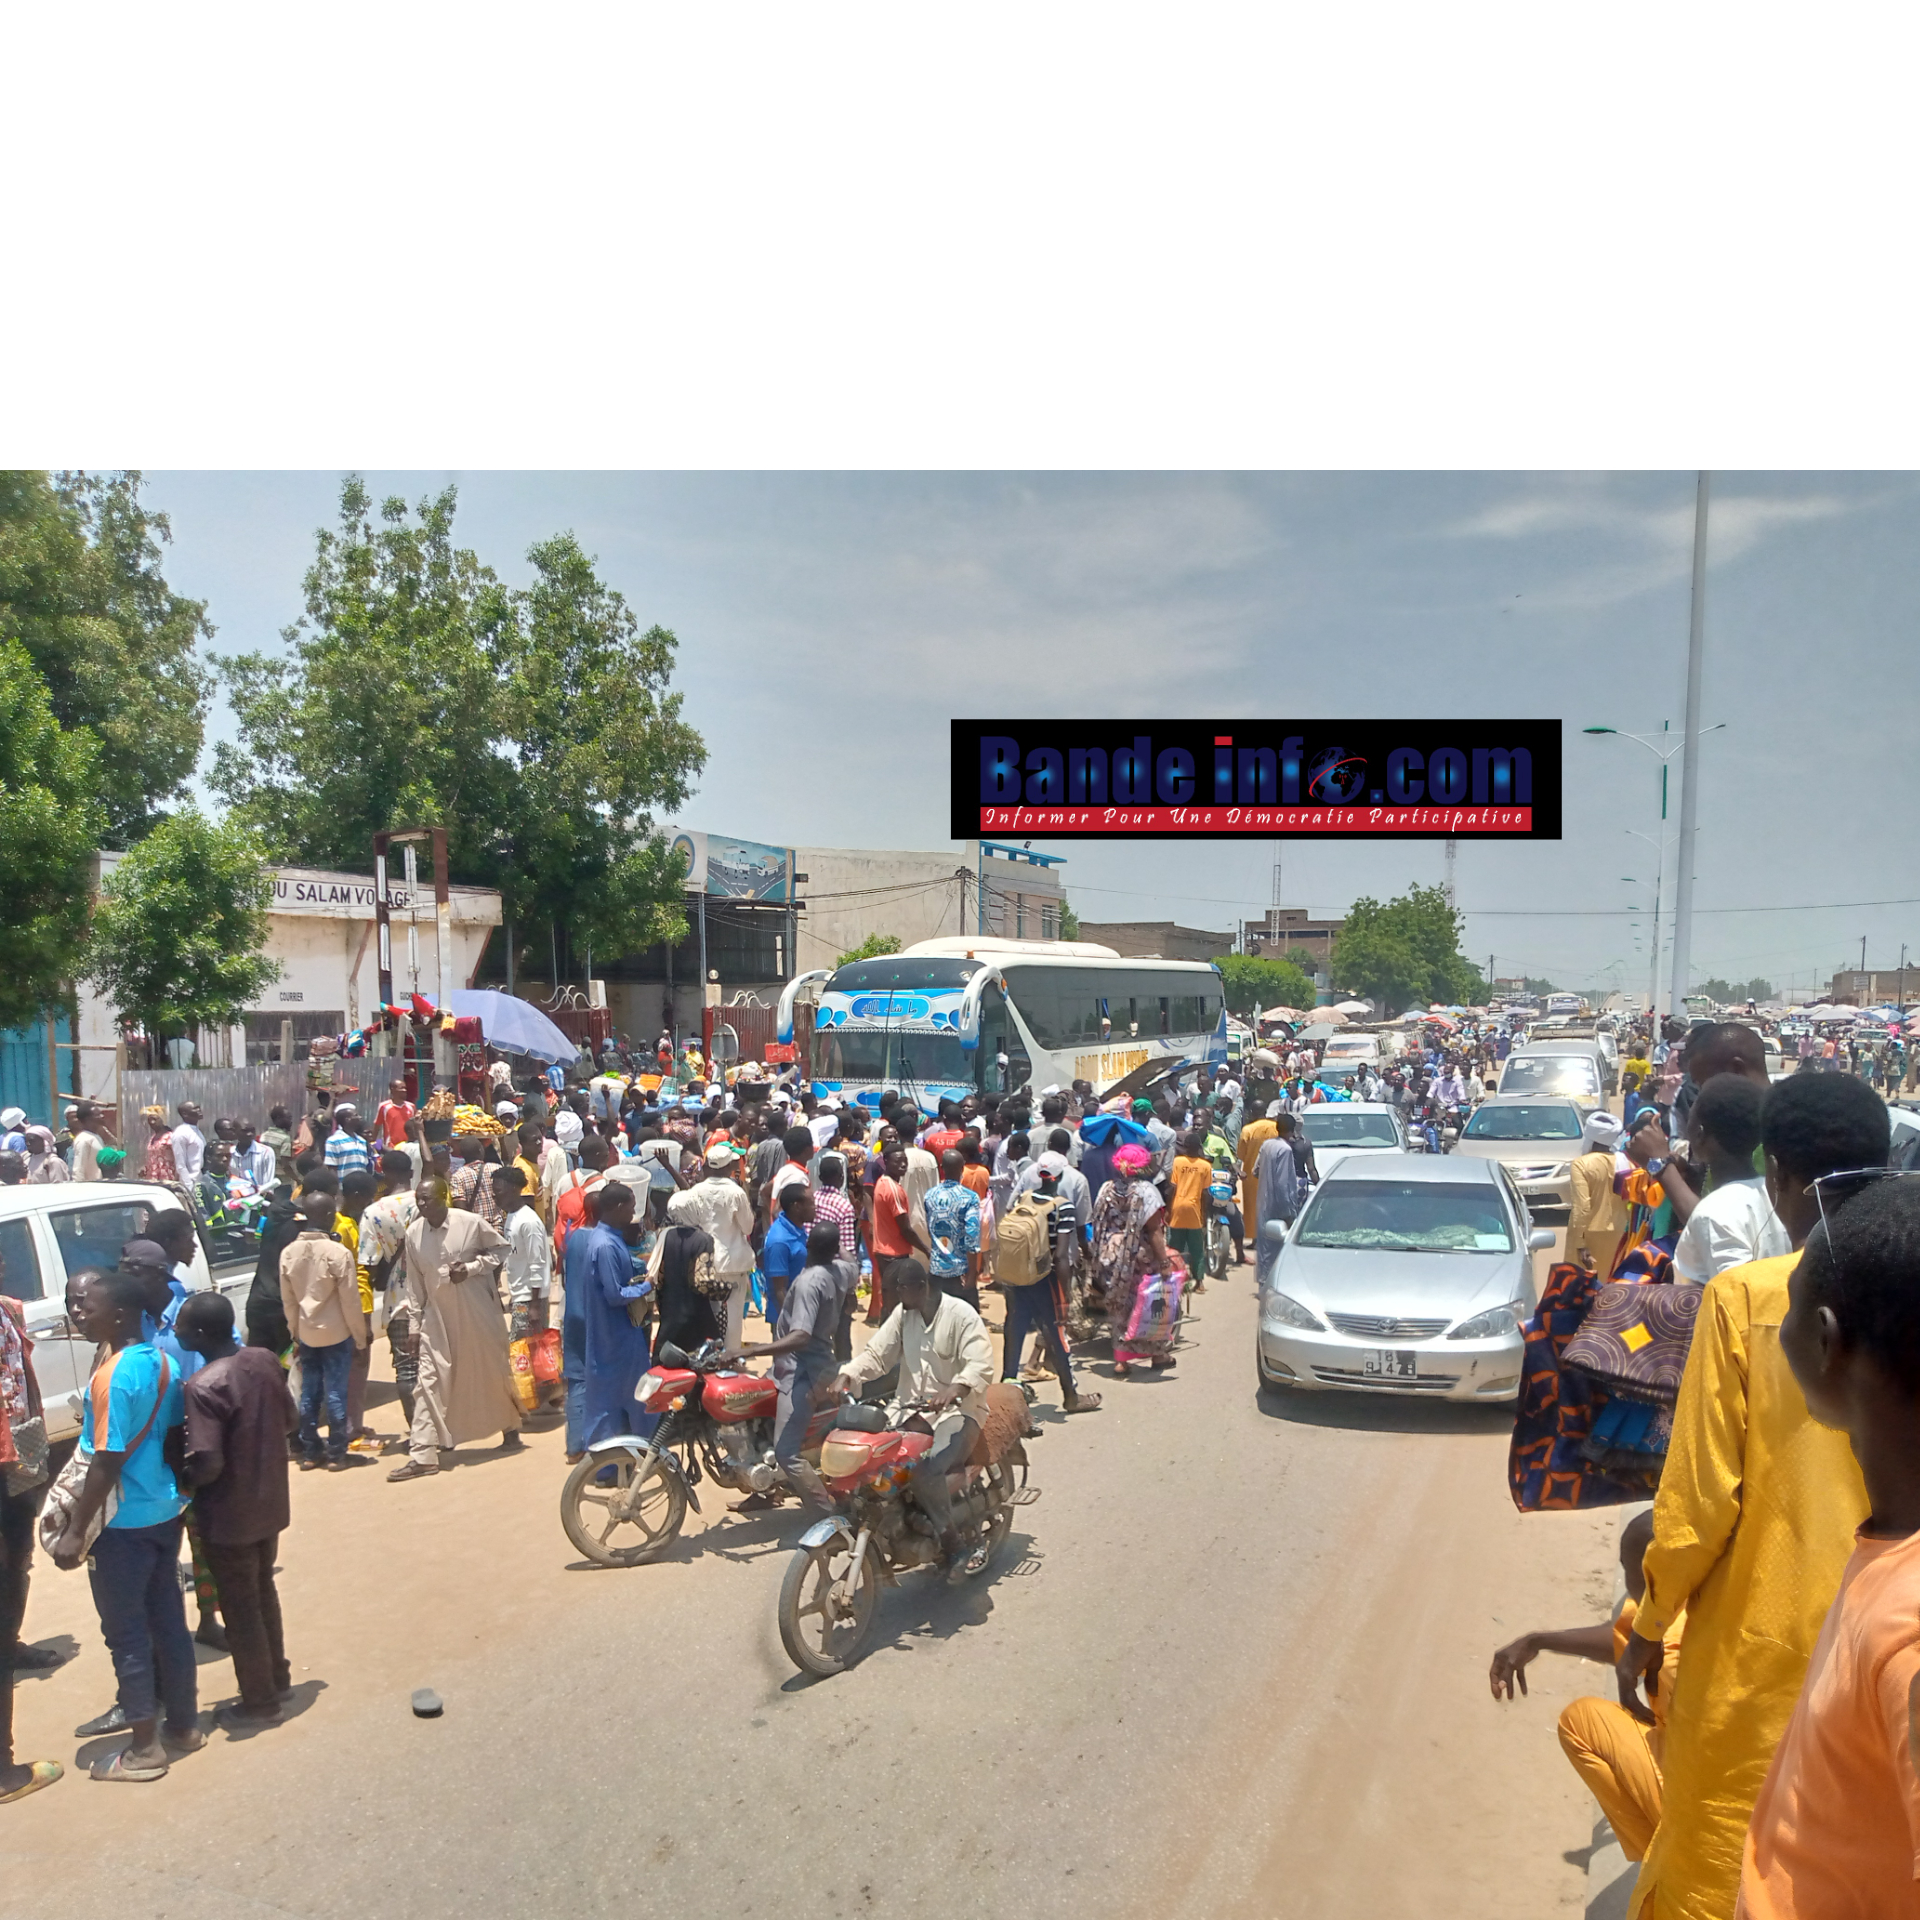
x=946, y=1364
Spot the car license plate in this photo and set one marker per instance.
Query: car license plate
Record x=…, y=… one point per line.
x=1389, y=1362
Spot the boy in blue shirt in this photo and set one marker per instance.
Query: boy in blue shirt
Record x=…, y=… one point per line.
x=132, y=1400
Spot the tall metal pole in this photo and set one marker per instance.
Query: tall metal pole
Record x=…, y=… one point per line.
x=1690, y=761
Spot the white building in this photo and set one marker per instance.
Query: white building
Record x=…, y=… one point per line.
x=320, y=928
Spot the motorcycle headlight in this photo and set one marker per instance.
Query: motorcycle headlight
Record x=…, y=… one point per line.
x=650, y=1385
x=1491, y=1324
x=1280, y=1310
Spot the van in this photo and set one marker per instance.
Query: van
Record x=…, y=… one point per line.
x=50, y=1233
x=1356, y=1047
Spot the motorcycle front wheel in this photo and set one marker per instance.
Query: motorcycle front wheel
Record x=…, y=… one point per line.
x=622, y=1510
x=1218, y=1241
x=822, y=1635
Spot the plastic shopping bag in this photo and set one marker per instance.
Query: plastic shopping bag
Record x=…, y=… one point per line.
x=526, y=1390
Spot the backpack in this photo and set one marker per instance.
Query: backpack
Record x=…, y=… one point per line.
x=1023, y=1242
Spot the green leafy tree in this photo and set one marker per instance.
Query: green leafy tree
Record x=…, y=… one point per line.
x=1405, y=952
x=180, y=924
x=1069, y=922
x=51, y=820
x=81, y=589
x=537, y=725
x=1253, y=982
x=871, y=948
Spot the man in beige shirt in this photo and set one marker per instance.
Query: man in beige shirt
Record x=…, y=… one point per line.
x=320, y=1295
x=945, y=1359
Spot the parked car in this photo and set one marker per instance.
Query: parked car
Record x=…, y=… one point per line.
x=1569, y=1067
x=1535, y=1139
x=49, y=1233
x=1405, y=1273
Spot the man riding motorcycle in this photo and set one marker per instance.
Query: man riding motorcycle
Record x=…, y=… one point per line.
x=945, y=1359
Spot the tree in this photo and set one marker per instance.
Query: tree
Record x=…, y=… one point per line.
x=81, y=589
x=1251, y=981
x=180, y=924
x=1069, y=922
x=1729, y=993
x=1405, y=952
x=537, y=725
x=871, y=948
x=51, y=820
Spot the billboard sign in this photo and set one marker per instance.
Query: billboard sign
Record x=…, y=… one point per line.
x=728, y=869
x=1269, y=779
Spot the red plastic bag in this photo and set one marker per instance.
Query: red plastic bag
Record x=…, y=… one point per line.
x=546, y=1357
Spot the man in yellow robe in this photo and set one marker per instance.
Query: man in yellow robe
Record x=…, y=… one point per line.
x=1752, y=1526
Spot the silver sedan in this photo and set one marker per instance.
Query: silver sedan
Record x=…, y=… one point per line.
x=1404, y=1273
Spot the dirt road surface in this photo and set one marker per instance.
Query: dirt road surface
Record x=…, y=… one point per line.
x=1232, y=1662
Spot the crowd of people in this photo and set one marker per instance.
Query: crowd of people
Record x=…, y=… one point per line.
x=657, y=1208
x=1760, y=1753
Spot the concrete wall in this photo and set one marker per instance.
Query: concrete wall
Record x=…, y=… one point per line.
x=1156, y=939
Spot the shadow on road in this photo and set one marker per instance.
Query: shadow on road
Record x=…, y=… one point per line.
x=1382, y=1413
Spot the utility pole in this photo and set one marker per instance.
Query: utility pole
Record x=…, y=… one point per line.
x=1453, y=848
x=1690, y=759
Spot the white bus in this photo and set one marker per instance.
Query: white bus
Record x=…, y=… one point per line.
x=964, y=1015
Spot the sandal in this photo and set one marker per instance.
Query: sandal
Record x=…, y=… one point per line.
x=116, y=1767
x=187, y=1740
x=41, y=1773
x=1083, y=1403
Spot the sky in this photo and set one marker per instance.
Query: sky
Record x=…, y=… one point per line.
x=831, y=624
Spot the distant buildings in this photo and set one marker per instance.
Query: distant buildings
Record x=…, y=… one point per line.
x=1156, y=939
x=1871, y=989
x=1282, y=929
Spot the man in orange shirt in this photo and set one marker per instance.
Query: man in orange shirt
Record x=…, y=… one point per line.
x=1836, y=1830
x=1187, y=1216
x=894, y=1236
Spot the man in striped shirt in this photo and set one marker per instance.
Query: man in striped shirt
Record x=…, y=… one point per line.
x=346, y=1149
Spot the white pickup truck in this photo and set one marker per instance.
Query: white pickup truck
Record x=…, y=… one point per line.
x=48, y=1234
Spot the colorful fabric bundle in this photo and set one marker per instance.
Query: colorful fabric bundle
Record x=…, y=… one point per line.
x=1548, y=1468
x=1634, y=1339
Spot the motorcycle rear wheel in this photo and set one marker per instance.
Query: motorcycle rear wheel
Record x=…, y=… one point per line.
x=633, y=1520
x=818, y=1638
x=1218, y=1242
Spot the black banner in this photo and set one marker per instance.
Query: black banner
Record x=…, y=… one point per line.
x=1268, y=779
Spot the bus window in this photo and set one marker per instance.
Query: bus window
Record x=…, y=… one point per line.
x=1166, y=1018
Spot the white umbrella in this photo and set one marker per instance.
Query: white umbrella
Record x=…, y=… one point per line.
x=1354, y=1006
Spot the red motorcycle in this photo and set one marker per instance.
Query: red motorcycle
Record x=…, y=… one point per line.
x=831, y=1591
x=626, y=1500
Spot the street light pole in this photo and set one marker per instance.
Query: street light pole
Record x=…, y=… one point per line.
x=1690, y=758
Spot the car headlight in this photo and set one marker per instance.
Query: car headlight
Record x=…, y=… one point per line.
x=1279, y=1310
x=1491, y=1324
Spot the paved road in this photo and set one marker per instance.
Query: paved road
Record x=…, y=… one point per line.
x=1233, y=1664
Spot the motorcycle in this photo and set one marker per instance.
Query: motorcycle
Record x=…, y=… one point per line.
x=831, y=1590
x=714, y=1422
x=1220, y=1196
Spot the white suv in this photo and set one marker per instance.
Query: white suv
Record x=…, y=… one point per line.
x=49, y=1233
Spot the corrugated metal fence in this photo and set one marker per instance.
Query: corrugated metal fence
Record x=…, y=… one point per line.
x=241, y=1093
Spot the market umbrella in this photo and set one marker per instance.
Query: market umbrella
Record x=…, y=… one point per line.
x=1109, y=1129
x=514, y=1025
x=1354, y=1006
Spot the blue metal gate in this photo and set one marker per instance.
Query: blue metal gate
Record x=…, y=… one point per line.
x=27, y=1070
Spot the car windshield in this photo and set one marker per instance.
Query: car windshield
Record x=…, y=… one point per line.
x=1335, y=1128
x=1406, y=1216
x=1547, y=1120
x=1549, y=1073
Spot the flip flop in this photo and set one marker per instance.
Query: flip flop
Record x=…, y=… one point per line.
x=44, y=1774
x=114, y=1767
x=189, y=1741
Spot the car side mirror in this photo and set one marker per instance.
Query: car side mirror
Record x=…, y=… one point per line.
x=1540, y=1240
x=1273, y=1232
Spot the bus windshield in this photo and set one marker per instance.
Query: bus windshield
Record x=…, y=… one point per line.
x=892, y=1055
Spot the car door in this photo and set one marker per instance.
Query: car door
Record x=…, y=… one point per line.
x=61, y=1360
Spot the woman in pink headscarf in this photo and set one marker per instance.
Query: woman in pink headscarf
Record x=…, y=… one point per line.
x=1129, y=1243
